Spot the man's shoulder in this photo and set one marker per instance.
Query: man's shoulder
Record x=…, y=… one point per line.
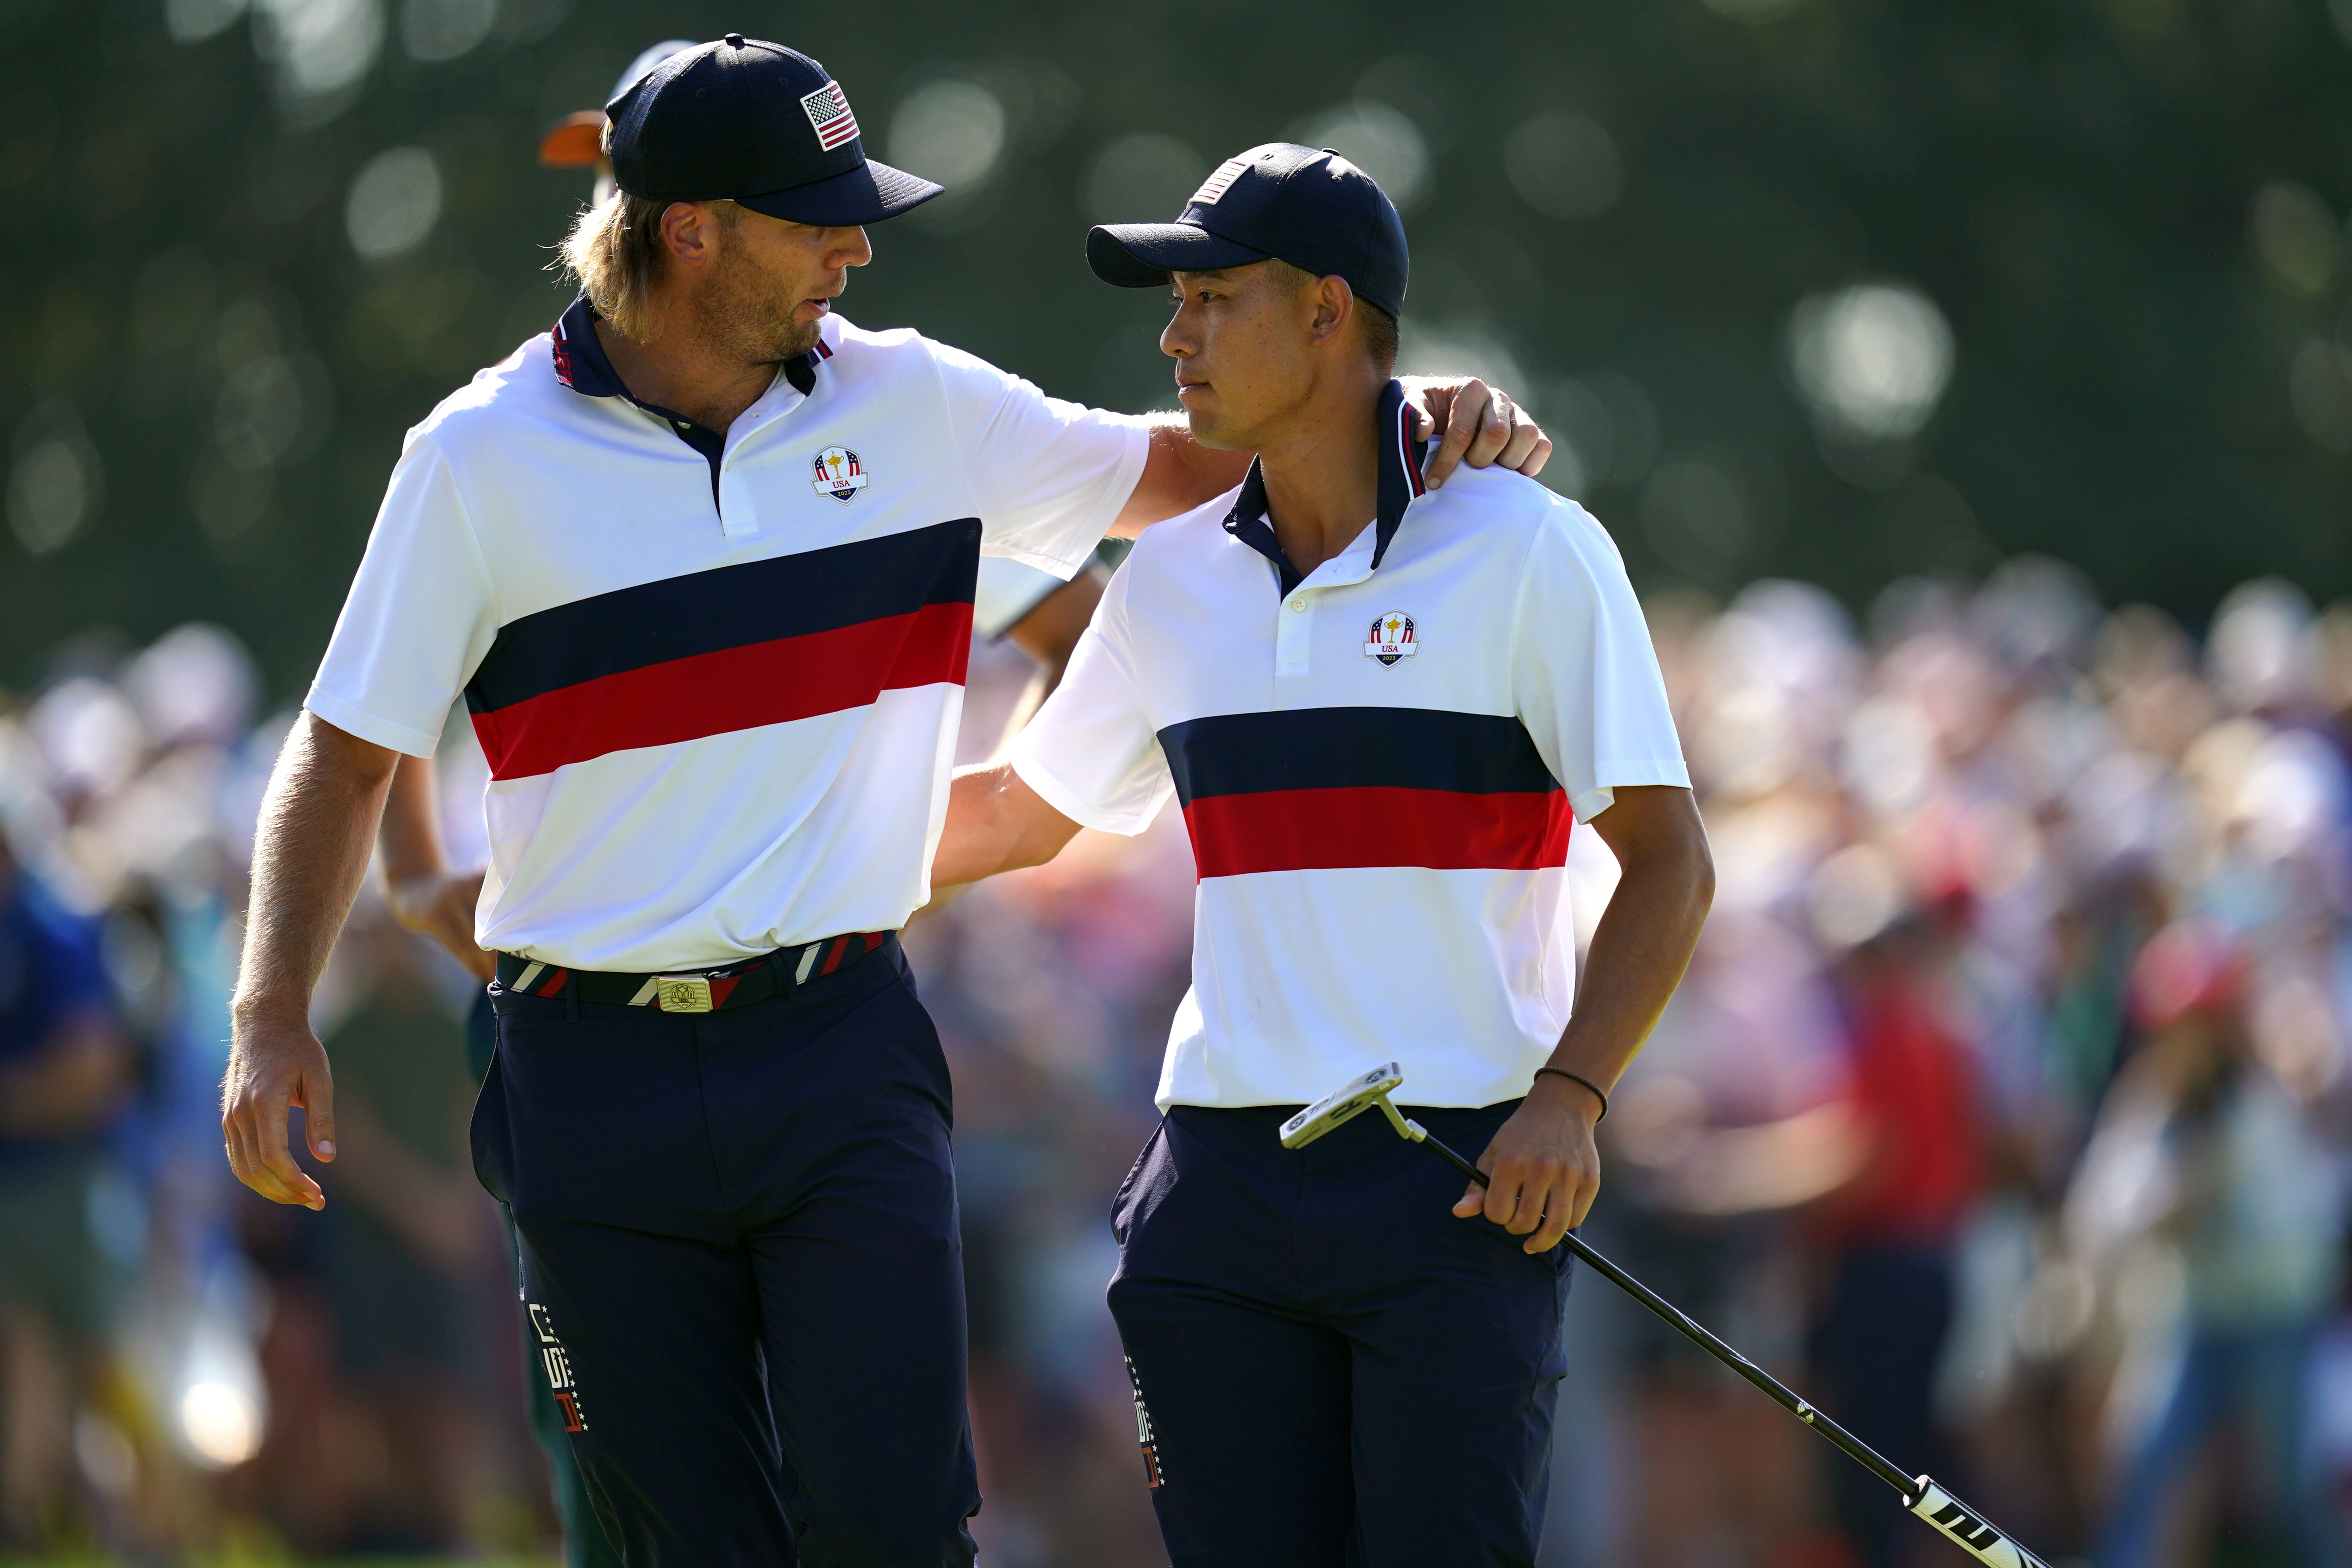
x=848, y=348
x=1174, y=542
x=900, y=367
x=1510, y=506
x=522, y=384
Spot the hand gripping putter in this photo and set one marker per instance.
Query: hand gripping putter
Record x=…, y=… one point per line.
x=1920, y=1495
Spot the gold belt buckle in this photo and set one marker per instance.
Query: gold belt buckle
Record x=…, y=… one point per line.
x=682, y=992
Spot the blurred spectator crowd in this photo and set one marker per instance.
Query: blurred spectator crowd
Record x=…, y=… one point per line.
x=2002, y=1110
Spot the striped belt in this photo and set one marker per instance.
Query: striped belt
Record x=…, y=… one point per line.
x=737, y=985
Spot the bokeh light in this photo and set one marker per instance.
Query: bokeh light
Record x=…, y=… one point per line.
x=437, y=30
x=56, y=481
x=1383, y=141
x=1145, y=176
x=1871, y=360
x=1564, y=164
x=952, y=131
x=395, y=201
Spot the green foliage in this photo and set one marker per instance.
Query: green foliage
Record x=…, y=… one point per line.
x=2125, y=211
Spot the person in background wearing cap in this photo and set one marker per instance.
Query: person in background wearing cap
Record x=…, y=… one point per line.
x=2201, y=1142
x=700, y=561
x=1382, y=708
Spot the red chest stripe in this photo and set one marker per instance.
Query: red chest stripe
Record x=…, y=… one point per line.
x=1327, y=829
x=742, y=687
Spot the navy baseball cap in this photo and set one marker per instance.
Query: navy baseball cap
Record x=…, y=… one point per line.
x=1305, y=206
x=757, y=124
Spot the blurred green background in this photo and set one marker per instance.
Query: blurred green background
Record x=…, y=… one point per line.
x=1832, y=291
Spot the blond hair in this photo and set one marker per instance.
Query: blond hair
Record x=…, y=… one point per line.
x=614, y=253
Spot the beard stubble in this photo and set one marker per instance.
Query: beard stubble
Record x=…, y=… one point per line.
x=751, y=313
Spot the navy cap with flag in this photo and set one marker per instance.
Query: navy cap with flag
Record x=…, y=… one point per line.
x=757, y=124
x=1305, y=206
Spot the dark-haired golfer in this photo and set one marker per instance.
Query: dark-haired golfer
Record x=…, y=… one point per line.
x=1381, y=709
x=701, y=561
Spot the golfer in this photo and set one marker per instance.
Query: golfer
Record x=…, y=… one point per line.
x=1384, y=709
x=701, y=561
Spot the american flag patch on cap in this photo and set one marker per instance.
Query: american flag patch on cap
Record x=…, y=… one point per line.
x=1217, y=183
x=828, y=111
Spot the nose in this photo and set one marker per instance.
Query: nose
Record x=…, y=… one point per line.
x=856, y=252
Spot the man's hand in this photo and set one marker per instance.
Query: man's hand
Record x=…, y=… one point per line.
x=1542, y=1169
x=275, y=1064
x=309, y=851
x=1482, y=427
x=440, y=905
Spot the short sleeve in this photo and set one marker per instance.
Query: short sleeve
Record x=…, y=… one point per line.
x=1585, y=676
x=1091, y=752
x=1050, y=476
x=419, y=617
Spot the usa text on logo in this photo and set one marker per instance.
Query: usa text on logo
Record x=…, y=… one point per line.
x=839, y=474
x=1392, y=638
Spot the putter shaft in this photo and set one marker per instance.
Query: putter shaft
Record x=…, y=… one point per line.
x=1920, y=1494
x=1853, y=1446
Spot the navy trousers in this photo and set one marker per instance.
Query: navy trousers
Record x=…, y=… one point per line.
x=741, y=1268
x=1330, y=1370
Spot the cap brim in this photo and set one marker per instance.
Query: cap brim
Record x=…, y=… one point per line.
x=577, y=143
x=868, y=194
x=1142, y=254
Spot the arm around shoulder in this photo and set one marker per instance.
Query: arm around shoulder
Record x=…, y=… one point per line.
x=995, y=823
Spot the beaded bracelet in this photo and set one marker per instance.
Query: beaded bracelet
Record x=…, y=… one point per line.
x=1598, y=1092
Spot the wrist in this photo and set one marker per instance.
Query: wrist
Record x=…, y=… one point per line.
x=1569, y=1093
x=251, y=1009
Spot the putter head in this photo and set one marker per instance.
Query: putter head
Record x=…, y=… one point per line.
x=1343, y=1104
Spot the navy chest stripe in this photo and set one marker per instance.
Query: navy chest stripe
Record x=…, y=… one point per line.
x=728, y=607
x=1348, y=747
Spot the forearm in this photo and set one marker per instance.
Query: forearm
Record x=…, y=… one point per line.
x=410, y=835
x=995, y=823
x=1179, y=474
x=1639, y=949
x=311, y=847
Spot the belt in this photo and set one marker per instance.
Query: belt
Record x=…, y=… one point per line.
x=737, y=985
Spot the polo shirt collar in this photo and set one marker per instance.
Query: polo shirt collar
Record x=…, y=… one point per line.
x=582, y=365
x=1401, y=457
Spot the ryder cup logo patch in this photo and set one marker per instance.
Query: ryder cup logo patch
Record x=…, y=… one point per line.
x=839, y=474
x=1392, y=638
x=828, y=111
x=1218, y=183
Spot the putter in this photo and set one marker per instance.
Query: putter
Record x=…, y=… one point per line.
x=1920, y=1495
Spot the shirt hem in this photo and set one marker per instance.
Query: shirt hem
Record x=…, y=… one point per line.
x=1064, y=799
x=1115, y=495
x=401, y=737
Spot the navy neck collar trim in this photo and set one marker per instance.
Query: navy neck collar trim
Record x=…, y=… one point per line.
x=1401, y=456
x=581, y=362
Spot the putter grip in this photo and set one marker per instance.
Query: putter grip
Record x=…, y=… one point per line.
x=1972, y=1534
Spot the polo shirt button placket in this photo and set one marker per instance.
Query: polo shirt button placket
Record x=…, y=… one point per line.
x=1294, y=635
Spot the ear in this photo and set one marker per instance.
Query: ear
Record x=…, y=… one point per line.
x=687, y=233
x=1332, y=305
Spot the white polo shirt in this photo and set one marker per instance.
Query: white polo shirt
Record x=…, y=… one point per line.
x=716, y=678
x=1378, y=765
